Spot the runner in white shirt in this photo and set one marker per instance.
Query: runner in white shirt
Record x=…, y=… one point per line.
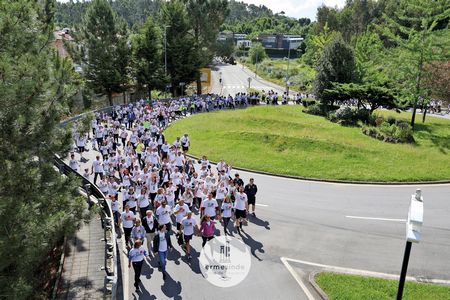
x=73, y=163
x=241, y=207
x=163, y=213
x=227, y=207
x=180, y=211
x=97, y=168
x=209, y=206
x=127, y=220
x=188, y=225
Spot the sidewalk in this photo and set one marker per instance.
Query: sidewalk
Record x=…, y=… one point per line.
x=83, y=277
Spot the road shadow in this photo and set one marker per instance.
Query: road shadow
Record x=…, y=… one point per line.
x=259, y=222
x=143, y=293
x=254, y=245
x=174, y=255
x=193, y=263
x=171, y=288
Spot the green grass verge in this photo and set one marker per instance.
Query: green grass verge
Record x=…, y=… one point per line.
x=351, y=287
x=284, y=140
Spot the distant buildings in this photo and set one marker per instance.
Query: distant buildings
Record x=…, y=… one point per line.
x=61, y=36
x=268, y=40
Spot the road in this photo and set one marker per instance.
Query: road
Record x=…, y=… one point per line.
x=235, y=80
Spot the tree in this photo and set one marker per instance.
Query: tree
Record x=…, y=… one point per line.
x=315, y=45
x=38, y=207
x=147, y=56
x=183, y=60
x=336, y=64
x=105, y=41
x=225, y=49
x=205, y=18
x=257, y=53
x=368, y=95
x=414, y=30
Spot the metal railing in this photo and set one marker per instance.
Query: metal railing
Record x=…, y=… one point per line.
x=108, y=224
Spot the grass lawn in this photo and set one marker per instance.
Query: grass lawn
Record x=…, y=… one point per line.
x=284, y=140
x=351, y=287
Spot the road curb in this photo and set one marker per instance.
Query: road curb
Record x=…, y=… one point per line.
x=317, y=288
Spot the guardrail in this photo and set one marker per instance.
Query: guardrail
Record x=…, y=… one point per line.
x=107, y=224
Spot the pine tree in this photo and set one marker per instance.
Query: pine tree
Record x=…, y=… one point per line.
x=105, y=42
x=420, y=33
x=38, y=206
x=336, y=64
x=205, y=18
x=147, y=56
x=183, y=60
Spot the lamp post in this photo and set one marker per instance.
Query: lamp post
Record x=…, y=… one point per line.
x=413, y=235
x=287, y=70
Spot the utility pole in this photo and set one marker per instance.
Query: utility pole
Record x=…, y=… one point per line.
x=256, y=64
x=287, y=70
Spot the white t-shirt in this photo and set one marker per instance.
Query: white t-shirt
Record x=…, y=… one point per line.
x=188, y=225
x=162, y=242
x=210, y=206
x=163, y=214
x=220, y=193
x=226, y=207
x=73, y=164
x=127, y=219
x=137, y=254
x=240, y=201
x=180, y=215
x=143, y=201
x=98, y=166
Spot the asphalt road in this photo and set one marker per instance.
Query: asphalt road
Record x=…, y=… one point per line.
x=235, y=80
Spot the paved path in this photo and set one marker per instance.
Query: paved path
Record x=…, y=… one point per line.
x=235, y=80
x=314, y=222
x=82, y=276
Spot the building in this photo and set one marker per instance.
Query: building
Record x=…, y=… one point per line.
x=62, y=36
x=279, y=41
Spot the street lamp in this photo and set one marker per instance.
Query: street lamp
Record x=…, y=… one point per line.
x=287, y=70
x=413, y=234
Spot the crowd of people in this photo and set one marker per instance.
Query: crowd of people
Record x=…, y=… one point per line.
x=156, y=191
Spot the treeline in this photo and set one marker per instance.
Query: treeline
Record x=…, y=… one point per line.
x=165, y=52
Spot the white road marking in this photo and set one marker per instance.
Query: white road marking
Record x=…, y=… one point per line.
x=263, y=205
x=297, y=278
x=362, y=272
x=376, y=219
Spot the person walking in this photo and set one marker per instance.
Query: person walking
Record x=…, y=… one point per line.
x=241, y=208
x=250, y=190
x=138, y=231
x=136, y=258
x=207, y=229
x=150, y=224
x=161, y=245
x=227, y=206
x=189, y=225
x=127, y=221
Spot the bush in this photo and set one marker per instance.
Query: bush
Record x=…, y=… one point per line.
x=308, y=101
x=391, y=133
x=350, y=116
x=314, y=109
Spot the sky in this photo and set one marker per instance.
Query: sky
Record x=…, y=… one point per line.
x=296, y=8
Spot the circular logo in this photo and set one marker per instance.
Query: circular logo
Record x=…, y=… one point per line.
x=225, y=261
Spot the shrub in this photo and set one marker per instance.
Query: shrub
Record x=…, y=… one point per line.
x=314, y=109
x=308, y=101
x=391, y=133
